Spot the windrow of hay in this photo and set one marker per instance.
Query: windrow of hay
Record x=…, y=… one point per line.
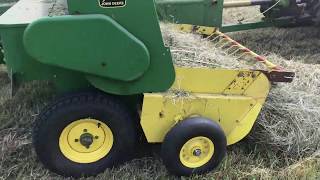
x=59, y=8
x=190, y=50
x=244, y=160
x=290, y=120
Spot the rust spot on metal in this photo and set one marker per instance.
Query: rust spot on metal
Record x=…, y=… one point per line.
x=241, y=74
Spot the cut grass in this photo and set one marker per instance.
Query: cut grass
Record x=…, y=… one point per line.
x=246, y=160
x=290, y=119
x=249, y=159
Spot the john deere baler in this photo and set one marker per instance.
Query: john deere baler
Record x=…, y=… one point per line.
x=120, y=84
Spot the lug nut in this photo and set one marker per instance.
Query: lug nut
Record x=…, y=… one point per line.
x=197, y=152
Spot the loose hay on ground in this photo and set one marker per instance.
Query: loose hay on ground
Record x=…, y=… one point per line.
x=190, y=50
x=290, y=119
x=244, y=160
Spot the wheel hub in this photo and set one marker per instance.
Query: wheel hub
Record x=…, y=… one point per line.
x=196, y=152
x=86, y=139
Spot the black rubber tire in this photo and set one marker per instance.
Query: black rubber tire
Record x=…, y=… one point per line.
x=66, y=110
x=186, y=130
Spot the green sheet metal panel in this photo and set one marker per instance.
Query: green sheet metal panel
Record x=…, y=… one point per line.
x=140, y=19
x=256, y=25
x=3, y=8
x=91, y=44
x=197, y=12
x=24, y=68
x=1, y=55
x=21, y=66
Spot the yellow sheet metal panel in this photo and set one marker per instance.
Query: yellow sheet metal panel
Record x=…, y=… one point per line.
x=218, y=81
x=244, y=126
x=259, y=89
x=205, y=92
x=198, y=29
x=162, y=111
x=242, y=82
x=201, y=80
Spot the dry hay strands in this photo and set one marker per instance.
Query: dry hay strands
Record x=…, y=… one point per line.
x=59, y=8
x=290, y=119
x=191, y=50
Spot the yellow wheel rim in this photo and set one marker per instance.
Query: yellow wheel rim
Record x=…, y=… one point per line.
x=86, y=141
x=196, y=152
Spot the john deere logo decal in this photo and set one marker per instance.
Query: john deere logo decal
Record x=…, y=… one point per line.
x=112, y=3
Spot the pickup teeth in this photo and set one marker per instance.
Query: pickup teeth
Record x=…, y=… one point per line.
x=234, y=49
x=229, y=46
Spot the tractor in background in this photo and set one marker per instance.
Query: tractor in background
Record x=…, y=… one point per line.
x=279, y=13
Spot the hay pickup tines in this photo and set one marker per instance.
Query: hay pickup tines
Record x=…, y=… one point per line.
x=275, y=73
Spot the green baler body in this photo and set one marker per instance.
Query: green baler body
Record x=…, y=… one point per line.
x=23, y=67
x=3, y=8
x=210, y=13
x=197, y=12
x=119, y=50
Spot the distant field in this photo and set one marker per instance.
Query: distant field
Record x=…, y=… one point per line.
x=248, y=159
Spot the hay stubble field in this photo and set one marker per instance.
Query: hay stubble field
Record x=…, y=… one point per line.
x=284, y=143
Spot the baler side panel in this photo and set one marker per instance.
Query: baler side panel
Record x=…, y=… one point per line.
x=91, y=44
x=228, y=97
x=140, y=19
x=199, y=12
x=25, y=68
x=3, y=8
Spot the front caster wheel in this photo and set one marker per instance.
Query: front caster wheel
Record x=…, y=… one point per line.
x=194, y=146
x=83, y=134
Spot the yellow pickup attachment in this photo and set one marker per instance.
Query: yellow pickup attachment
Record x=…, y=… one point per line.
x=232, y=98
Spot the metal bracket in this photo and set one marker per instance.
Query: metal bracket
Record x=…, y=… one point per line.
x=13, y=84
x=280, y=76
